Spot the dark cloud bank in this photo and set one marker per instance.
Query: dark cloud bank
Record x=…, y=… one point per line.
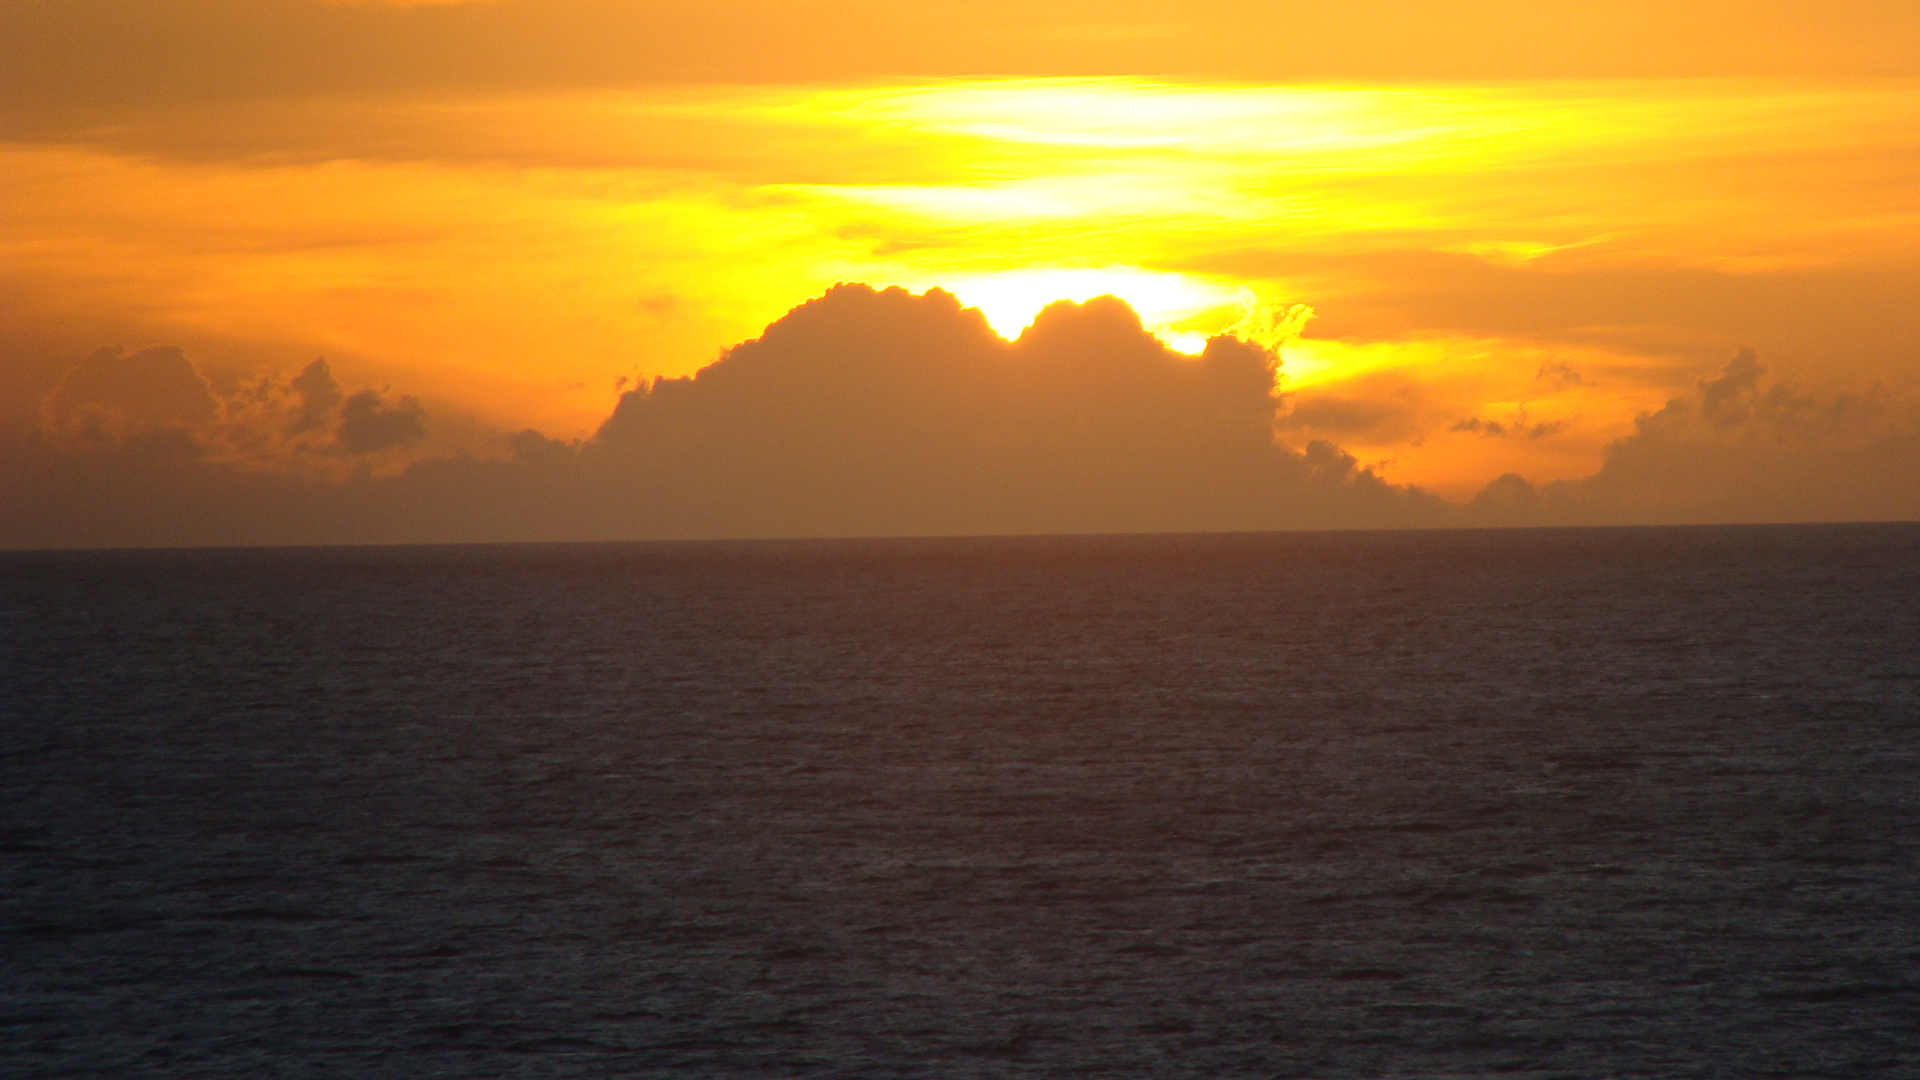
x=869, y=412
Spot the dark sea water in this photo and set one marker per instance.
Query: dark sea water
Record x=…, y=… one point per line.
x=1588, y=803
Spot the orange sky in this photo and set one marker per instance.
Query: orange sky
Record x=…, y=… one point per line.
x=1484, y=237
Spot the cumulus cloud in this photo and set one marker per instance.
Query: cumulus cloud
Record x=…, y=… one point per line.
x=884, y=411
x=369, y=423
x=114, y=394
x=1741, y=447
x=113, y=399
x=863, y=411
x=316, y=396
x=881, y=412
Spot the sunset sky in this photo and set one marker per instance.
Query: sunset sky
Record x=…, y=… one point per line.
x=1487, y=242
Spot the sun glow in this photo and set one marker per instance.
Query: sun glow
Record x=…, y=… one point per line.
x=518, y=259
x=1180, y=308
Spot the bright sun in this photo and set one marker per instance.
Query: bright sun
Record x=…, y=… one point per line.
x=1181, y=310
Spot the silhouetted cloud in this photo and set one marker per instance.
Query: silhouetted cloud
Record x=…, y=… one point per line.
x=1519, y=427
x=317, y=394
x=1730, y=399
x=1559, y=375
x=861, y=412
x=1508, y=499
x=113, y=394
x=1740, y=448
x=884, y=411
x=115, y=399
x=877, y=412
x=369, y=423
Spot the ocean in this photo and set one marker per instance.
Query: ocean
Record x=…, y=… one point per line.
x=1536, y=803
